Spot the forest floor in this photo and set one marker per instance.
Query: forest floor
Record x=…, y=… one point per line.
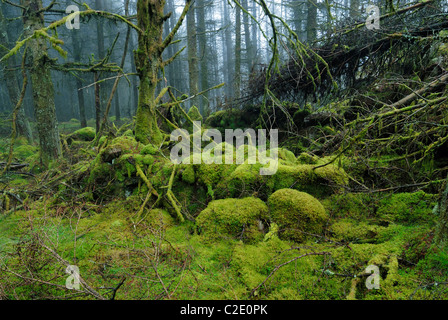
x=139, y=227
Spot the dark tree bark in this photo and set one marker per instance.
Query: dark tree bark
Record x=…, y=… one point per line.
x=237, y=81
x=12, y=83
x=193, y=69
x=203, y=53
x=43, y=91
x=311, y=25
x=148, y=58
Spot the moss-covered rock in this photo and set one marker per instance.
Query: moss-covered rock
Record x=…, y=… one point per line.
x=296, y=212
x=287, y=156
x=118, y=147
x=246, y=179
x=237, y=218
x=83, y=134
x=305, y=178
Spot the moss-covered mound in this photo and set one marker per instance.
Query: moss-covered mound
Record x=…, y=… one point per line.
x=237, y=218
x=84, y=134
x=246, y=179
x=296, y=213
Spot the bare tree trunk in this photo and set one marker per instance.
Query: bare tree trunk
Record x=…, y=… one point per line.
x=81, y=103
x=250, y=56
x=192, y=56
x=117, y=106
x=237, y=83
x=228, y=50
x=203, y=54
x=12, y=84
x=77, y=48
x=97, y=102
x=311, y=25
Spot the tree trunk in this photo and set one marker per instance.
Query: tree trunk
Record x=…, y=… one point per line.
x=12, y=84
x=354, y=9
x=203, y=54
x=134, y=81
x=148, y=59
x=81, y=104
x=250, y=56
x=149, y=62
x=97, y=102
x=237, y=83
x=43, y=91
x=311, y=25
x=117, y=106
x=229, y=65
x=77, y=48
x=192, y=57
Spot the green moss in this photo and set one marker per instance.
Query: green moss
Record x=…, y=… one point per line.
x=210, y=175
x=254, y=262
x=408, y=208
x=302, y=177
x=83, y=134
x=246, y=179
x=349, y=205
x=306, y=158
x=188, y=174
x=287, y=156
x=128, y=133
x=353, y=231
x=18, y=182
x=272, y=233
x=102, y=140
x=20, y=141
x=296, y=212
x=225, y=149
x=194, y=114
x=159, y=219
x=149, y=149
x=237, y=218
x=25, y=151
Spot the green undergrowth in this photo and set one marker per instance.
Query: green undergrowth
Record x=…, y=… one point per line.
x=210, y=259
x=295, y=234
